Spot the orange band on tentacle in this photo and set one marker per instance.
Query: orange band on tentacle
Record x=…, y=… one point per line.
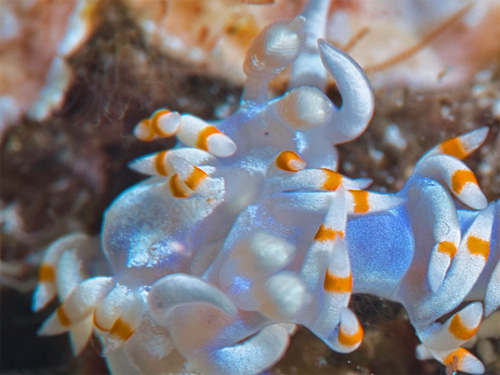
x=327, y=234
x=459, y=330
x=289, y=161
x=159, y=164
x=175, y=187
x=458, y=354
x=121, y=329
x=350, y=340
x=46, y=273
x=63, y=318
x=201, y=141
x=453, y=147
x=195, y=178
x=337, y=284
x=460, y=178
x=332, y=180
x=447, y=247
x=478, y=246
x=154, y=122
x=360, y=201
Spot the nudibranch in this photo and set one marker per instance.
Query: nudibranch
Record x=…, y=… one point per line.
x=245, y=229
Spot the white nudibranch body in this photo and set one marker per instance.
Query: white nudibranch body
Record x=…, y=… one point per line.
x=245, y=230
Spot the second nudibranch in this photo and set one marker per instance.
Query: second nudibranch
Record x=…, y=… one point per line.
x=246, y=229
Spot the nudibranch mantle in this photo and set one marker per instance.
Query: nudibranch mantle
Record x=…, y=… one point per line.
x=246, y=229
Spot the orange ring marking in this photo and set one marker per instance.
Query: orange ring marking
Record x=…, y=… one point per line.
x=447, y=247
x=154, y=123
x=332, y=179
x=175, y=187
x=459, y=354
x=337, y=284
x=201, y=141
x=289, y=161
x=459, y=330
x=63, y=318
x=121, y=329
x=361, y=204
x=194, y=179
x=46, y=273
x=453, y=147
x=460, y=178
x=159, y=164
x=327, y=234
x=345, y=339
x=478, y=246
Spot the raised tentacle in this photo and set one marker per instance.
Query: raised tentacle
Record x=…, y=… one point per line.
x=194, y=132
x=270, y=52
x=305, y=67
x=357, y=96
